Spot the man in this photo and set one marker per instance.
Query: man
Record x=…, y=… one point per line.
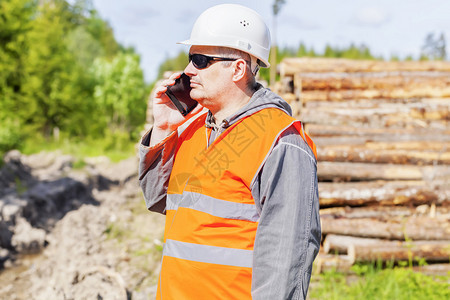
x=236, y=177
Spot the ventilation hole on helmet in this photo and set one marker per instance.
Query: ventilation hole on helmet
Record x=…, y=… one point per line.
x=244, y=23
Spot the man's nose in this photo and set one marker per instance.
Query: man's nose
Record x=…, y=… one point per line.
x=190, y=70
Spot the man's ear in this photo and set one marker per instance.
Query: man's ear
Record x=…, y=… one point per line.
x=240, y=68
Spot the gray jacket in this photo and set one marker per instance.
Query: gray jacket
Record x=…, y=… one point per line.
x=286, y=197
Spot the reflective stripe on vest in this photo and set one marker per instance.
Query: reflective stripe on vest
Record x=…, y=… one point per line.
x=211, y=216
x=208, y=254
x=212, y=206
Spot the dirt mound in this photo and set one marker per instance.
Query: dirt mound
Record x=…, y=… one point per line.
x=89, y=228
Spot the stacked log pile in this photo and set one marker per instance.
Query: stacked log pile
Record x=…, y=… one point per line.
x=383, y=139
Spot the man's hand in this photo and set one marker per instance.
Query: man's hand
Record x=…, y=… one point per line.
x=166, y=116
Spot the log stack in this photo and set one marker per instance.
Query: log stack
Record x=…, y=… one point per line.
x=383, y=139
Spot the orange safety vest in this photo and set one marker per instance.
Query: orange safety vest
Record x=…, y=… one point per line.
x=211, y=216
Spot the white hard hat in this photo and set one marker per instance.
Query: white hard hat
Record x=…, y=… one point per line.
x=233, y=26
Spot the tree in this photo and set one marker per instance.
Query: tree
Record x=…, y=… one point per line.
x=302, y=51
x=119, y=93
x=330, y=52
x=84, y=47
x=48, y=53
x=102, y=32
x=394, y=57
x=15, y=22
x=55, y=87
x=16, y=18
x=276, y=7
x=177, y=63
x=312, y=52
x=434, y=47
x=64, y=43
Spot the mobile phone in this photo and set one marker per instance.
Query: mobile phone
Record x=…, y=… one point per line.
x=179, y=95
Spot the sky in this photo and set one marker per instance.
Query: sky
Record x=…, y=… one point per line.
x=387, y=27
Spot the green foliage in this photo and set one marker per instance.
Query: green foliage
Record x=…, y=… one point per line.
x=352, y=52
x=62, y=73
x=376, y=283
x=15, y=23
x=177, y=63
x=395, y=57
x=114, y=231
x=79, y=164
x=119, y=93
x=302, y=51
x=150, y=248
x=84, y=47
x=102, y=32
x=424, y=57
x=10, y=135
x=54, y=89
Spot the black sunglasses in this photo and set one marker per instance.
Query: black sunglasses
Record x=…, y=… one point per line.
x=201, y=61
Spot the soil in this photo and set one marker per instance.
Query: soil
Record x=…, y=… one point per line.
x=70, y=233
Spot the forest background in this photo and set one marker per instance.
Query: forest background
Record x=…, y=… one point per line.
x=67, y=83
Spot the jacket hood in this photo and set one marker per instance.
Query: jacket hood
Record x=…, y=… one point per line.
x=261, y=99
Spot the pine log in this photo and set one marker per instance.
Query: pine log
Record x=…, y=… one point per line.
x=385, y=213
x=391, y=139
x=343, y=264
x=381, y=103
x=383, y=138
x=440, y=146
x=364, y=249
x=397, y=93
x=347, y=153
x=431, y=251
x=339, y=244
x=386, y=193
x=414, y=228
x=433, y=269
x=380, y=111
x=405, y=114
x=336, y=263
x=323, y=130
x=432, y=137
x=384, y=105
x=394, y=121
x=291, y=66
x=346, y=171
x=379, y=115
x=373, y=80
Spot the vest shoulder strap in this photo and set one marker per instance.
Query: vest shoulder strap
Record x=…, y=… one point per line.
x=299, y=126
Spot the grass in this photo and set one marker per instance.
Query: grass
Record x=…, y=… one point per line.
x=373, y=282
x=115, y=231
x=20, y=186
x=116, y=147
